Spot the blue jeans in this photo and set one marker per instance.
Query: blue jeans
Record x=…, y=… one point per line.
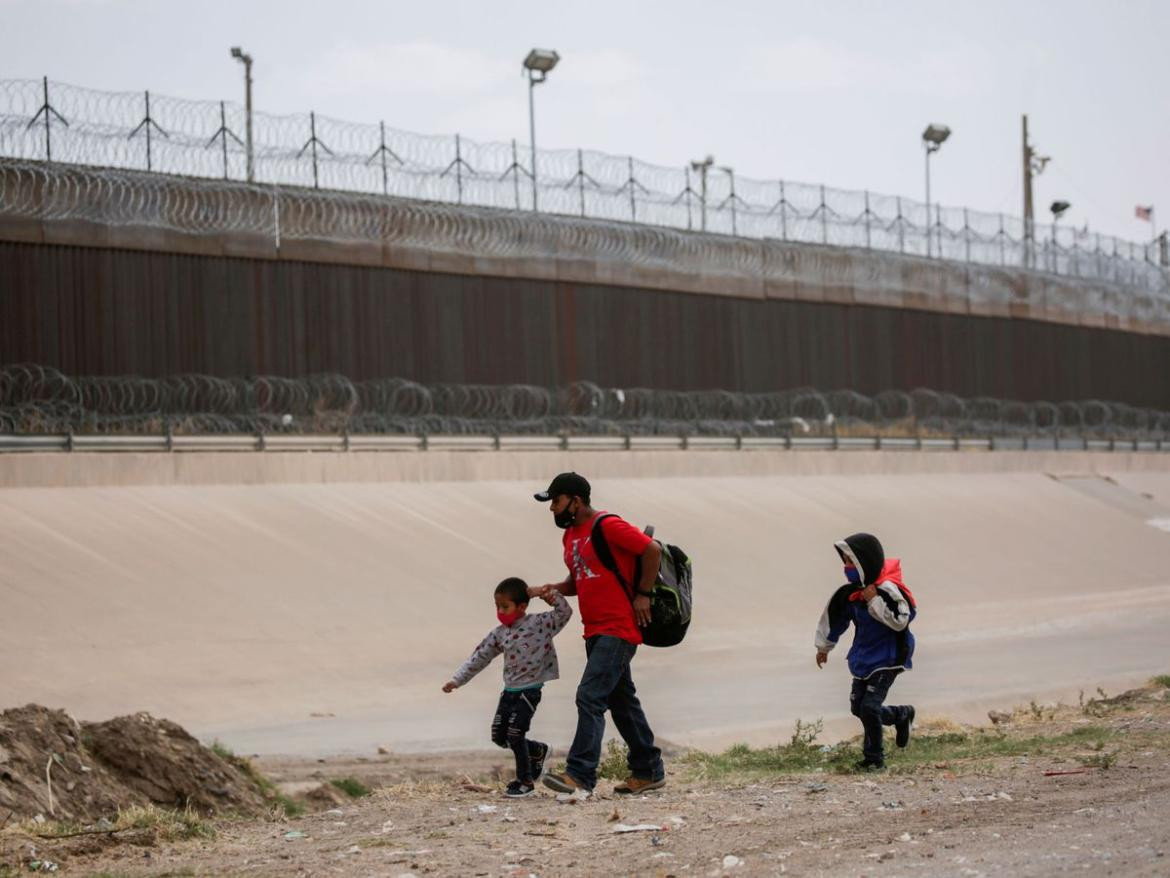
x=867, y=702
x=607, y=684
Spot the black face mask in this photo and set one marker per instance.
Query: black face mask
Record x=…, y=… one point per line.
x=564, y=518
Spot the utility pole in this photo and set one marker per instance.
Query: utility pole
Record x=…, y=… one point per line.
x=1033, y=166
x=1027, y=186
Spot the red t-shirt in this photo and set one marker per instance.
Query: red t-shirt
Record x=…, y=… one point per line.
x=604, y=605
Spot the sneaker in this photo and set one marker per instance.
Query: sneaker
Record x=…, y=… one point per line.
x=869, y=765
x=518, y=789
x=576, y=797
x=538, y=763
x=563, y=782
x=902, y=729
x=632, y=786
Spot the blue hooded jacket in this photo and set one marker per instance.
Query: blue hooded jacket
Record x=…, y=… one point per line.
x=882, y=638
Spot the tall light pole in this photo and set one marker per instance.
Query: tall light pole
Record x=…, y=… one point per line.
x=1033, y=166
x=538, y=63
x=703, y=167
x=246, y=59
x=932, y=140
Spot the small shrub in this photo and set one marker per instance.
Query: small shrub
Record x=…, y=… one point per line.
x=614, y=761
x=1162, y=680
x=1103, y=760
x=169, y=825
x=352, y=787
x=806, y=733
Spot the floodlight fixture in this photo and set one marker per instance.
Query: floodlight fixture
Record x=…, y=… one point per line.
x=1058, y=208
x=541, y=61
x=935, y=135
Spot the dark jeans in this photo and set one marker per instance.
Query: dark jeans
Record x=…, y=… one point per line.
x=607, y=684
x=510, y=726
x=867, y=701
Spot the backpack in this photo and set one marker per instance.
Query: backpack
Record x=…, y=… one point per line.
x=670, y=605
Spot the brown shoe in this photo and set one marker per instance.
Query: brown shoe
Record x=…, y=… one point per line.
x=632, y=786
x=563, y=782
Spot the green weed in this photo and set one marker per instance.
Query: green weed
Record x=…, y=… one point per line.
x=614, y=761
x=352, y=787
x=801, y=756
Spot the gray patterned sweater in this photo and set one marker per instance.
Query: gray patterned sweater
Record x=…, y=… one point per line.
x=529, y=655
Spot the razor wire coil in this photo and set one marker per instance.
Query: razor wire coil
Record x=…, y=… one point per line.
x=37, y=399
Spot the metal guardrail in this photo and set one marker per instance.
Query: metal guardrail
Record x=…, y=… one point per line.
x=16, y=443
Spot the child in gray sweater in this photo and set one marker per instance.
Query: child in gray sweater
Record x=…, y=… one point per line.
x=530, y=661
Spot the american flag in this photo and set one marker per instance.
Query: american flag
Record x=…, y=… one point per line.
x=1143, y=213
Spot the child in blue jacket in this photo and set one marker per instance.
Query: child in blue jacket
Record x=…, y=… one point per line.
x=881, y=608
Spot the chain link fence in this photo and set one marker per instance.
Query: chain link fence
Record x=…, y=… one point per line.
x=53, y=122
x=41, y=400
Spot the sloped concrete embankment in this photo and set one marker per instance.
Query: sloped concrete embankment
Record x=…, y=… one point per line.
x=312, y=614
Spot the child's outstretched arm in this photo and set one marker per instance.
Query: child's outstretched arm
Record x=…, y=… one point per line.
x=480, y=658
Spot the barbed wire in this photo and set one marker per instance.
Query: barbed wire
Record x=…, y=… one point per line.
x=50, y=121
x=263, y=216
x=42, y=400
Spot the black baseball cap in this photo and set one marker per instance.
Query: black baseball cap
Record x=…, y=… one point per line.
x=566, y=483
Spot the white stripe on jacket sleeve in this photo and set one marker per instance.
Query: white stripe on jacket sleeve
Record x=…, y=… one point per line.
x=896, y=619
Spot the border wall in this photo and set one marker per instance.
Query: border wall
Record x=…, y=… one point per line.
x=235, y=280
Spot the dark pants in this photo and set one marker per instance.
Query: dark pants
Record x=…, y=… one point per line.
x=510, y=727
x=867, y=701
x=607, y=684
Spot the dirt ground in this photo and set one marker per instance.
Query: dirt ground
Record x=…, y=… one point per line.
x=1046, y=813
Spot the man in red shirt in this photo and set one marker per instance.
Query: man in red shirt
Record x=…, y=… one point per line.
x=612, y=635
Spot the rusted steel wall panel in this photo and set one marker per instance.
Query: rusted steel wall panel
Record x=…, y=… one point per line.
x=94, y=311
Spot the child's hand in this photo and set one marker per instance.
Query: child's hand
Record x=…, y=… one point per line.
x=869, y=592
x=450, y=686
x=822, y=657
x=546, y=594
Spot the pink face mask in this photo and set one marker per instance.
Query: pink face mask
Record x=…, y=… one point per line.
x=509, y=619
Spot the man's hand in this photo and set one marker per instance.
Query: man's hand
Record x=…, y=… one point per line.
x=450, y=686
x=642, y=610
x=869, y=593
x=546, y=595
x=566, y=588
x=822, y=657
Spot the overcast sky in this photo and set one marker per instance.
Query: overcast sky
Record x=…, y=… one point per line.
x=832, y=91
